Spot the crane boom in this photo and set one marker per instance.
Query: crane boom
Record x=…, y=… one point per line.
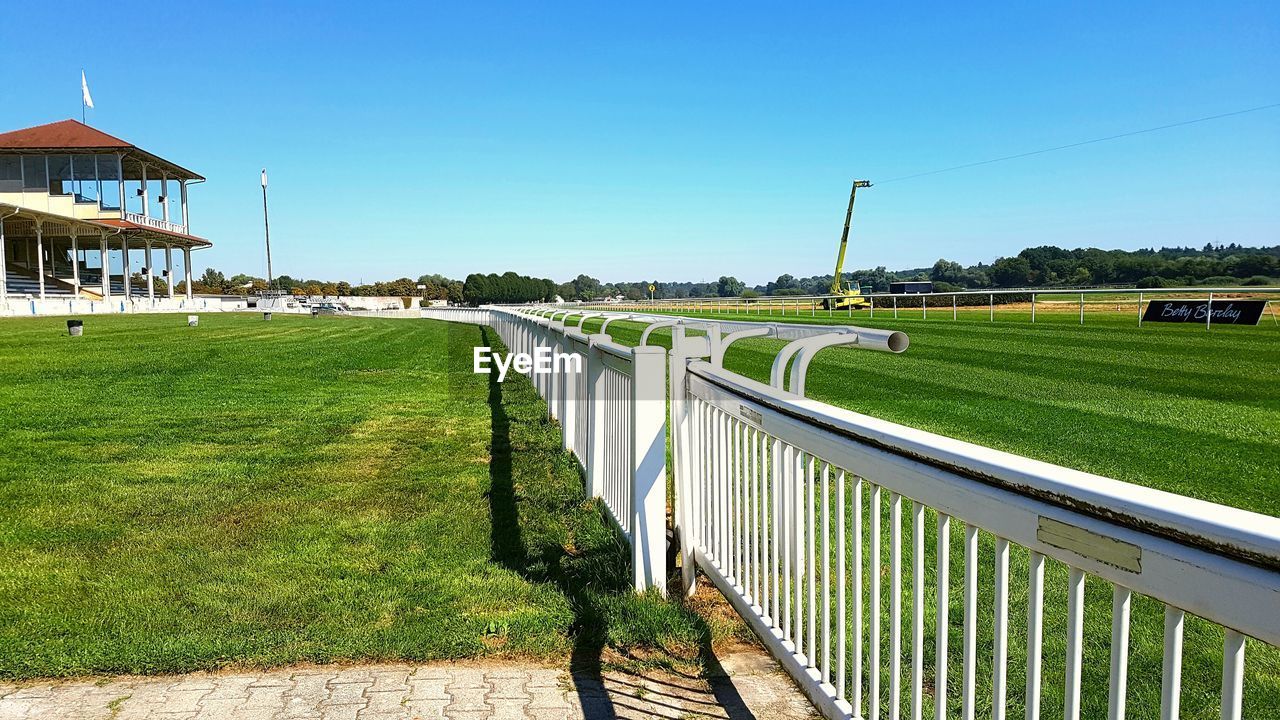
x=837, y=282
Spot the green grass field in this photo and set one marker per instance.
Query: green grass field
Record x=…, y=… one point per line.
x=1172, y=407
x=243, y=492
x=340, y=488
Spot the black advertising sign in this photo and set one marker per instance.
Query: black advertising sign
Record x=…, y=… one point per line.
x=1225, y=312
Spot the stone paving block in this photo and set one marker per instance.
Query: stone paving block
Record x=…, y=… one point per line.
x=195, y=681
x=547, y=698
x=544, y=677
x=507, y=709
x=313, y=688
x=271, y=680
x=387, y=705
x=467, y=699
x=269, y=697
x=426, y=709
x=220, y=707
x=391, y=680
x=341, y=712
x=467, y=678
x=429, y=688
x=180, y=701
x=255, y=713
x=231, y=686
x=350, y=693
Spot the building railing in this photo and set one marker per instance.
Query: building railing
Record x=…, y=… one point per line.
x=157, y=223
x=814, y=521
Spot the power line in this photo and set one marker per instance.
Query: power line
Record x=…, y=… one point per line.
x=1078, y=144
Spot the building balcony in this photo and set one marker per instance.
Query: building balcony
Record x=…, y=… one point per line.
x=156, y=223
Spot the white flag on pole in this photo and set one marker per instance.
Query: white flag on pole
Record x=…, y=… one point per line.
x=84, y=89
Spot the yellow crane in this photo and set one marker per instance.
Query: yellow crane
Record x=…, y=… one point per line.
x=851, y=296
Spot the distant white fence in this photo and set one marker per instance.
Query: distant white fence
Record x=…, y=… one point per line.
x=938, y=303
x=472, y=316
x=778, y=495
x=13, y=306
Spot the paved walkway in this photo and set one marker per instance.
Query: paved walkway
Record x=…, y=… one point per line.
x=753, y=687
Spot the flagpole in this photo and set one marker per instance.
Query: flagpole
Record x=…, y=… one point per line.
x=266, y=224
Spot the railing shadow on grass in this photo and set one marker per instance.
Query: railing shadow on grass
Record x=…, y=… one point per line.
x=609, y=572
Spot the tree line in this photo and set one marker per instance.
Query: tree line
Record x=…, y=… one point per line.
x=1045, y=266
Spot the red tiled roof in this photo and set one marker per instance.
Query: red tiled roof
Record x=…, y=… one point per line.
x=75, y=135
x=67, y=134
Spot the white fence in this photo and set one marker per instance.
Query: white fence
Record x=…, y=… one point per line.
x=613, y=418
x=52, y=306
x=948, y=303
x=805, y=516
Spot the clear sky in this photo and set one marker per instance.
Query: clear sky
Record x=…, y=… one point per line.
x=675, y=142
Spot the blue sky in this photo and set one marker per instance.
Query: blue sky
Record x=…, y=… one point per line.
x=677, y=142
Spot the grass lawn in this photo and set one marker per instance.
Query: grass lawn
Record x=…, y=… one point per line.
x=1168, y=406
x=326, y=489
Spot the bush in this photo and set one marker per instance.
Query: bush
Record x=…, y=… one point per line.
x=1220, y=281
x=1258, y=280
x=748, y=293
x=1154, y=281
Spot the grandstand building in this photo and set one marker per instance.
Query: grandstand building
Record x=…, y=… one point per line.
x=82, y=211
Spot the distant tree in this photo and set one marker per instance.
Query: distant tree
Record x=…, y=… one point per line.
x=1011, y=272
x=948, y=271
x=729, y=286
x=213, y=281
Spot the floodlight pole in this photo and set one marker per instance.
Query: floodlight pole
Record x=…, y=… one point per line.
x=266, y=224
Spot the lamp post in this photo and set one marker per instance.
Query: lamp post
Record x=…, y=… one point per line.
x=266, y=224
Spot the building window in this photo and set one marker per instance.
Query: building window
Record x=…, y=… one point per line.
x=10, y=173
x=109, y=181
x=84, y=175
x=34, y=176
x=60, y=182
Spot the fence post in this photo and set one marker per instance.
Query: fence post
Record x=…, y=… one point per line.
x=649, y=468
x=551, y=341
x=568, y=423
x=682, y=349
x=595, y=414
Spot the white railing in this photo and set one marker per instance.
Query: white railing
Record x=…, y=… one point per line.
x=156, y=223
x=771, y=490
x=472, y=316
x=831, y=533
x=612, y=417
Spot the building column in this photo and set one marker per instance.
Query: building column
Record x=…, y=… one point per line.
x=40, y=255
x=146, y=205
x=105, y=259
x=75, y=261
x=151, y=285
x=4, y=266
x=182, y=184
x=120, y=174
x=164, y=196
x=124, y=267
x=186, y=269
x=168, y=268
